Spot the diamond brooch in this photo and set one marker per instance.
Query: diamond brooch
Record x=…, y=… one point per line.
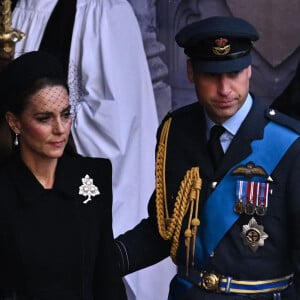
x=88, y=189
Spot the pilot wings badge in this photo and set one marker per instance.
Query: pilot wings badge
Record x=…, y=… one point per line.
x=249, y=170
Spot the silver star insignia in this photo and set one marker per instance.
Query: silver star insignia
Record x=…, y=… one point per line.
x=253, y=235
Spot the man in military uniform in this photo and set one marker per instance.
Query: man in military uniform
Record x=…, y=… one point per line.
x=226, y=205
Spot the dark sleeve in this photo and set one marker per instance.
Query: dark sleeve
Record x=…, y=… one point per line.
x=142, y=246
x=107, y=275
x=293, y=190
x=10, y=276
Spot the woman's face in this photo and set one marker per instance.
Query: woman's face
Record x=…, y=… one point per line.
x=44, y=126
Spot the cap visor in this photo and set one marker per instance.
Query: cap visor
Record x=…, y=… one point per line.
x=221, y=66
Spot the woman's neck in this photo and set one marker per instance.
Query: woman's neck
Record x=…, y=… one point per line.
x=42, y=169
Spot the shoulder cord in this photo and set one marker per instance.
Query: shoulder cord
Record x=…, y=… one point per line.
x=187, y=199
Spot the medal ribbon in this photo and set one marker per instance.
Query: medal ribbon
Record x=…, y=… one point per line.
x=250, y=189
x=241, y=187
x=217, y=215
x=265, y=194
x=256, y=188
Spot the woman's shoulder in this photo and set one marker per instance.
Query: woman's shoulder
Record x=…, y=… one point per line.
x=93, y=165
x=78, y=158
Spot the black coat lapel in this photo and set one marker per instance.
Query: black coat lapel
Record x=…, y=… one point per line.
x=199, y=142
x=189, y=133
x=68, y=176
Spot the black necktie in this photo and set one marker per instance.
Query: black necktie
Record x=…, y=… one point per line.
x=214, y=145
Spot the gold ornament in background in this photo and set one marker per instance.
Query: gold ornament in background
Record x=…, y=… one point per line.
x=8, y=35
x=8, y=38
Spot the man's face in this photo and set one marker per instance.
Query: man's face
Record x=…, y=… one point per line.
x=222, y=95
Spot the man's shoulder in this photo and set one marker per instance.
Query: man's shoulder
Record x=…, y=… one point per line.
x=283, y=119
x=184, y=112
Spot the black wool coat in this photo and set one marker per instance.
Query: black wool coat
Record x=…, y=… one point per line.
x=52, y=245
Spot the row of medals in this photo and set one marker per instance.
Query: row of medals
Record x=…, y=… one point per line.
x=249, y=208
x=252, y=197
x=252, y=234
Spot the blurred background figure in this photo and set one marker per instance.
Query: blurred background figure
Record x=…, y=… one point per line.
x=8, y=38
x=100, y=45
x=289, y=101
x=275, y=55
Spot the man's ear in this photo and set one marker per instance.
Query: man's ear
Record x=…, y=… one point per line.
x=249, y=71
x=190, y=72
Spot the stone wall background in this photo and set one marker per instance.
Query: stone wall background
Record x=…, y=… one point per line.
x=275, y=56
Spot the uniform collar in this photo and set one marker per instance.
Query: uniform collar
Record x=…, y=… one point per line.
x=233, y=124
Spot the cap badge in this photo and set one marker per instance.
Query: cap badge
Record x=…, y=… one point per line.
x=221, y=48
x=88, y=189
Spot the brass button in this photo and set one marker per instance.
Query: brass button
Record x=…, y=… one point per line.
x=214, y=184
x=210, y=282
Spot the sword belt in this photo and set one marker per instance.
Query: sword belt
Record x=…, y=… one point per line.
x=225, y=284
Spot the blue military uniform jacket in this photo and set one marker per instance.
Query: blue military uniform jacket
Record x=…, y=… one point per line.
x=187, y=148
x=52, y=245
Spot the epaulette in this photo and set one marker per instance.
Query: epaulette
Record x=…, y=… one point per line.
x=186, y=109
x=166, y=117
x=283, y=119
x=183, y=111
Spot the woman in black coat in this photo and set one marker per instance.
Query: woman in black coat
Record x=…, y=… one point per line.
x=56, y=240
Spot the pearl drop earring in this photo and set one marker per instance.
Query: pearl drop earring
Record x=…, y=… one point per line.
x=16, y=141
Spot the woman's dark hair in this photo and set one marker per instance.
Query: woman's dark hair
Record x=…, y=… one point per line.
x=19, y=101
x=23, y=77
x=26, y=74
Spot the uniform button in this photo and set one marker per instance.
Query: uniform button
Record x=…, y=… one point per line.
x=214, y=184
x=272, y=112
